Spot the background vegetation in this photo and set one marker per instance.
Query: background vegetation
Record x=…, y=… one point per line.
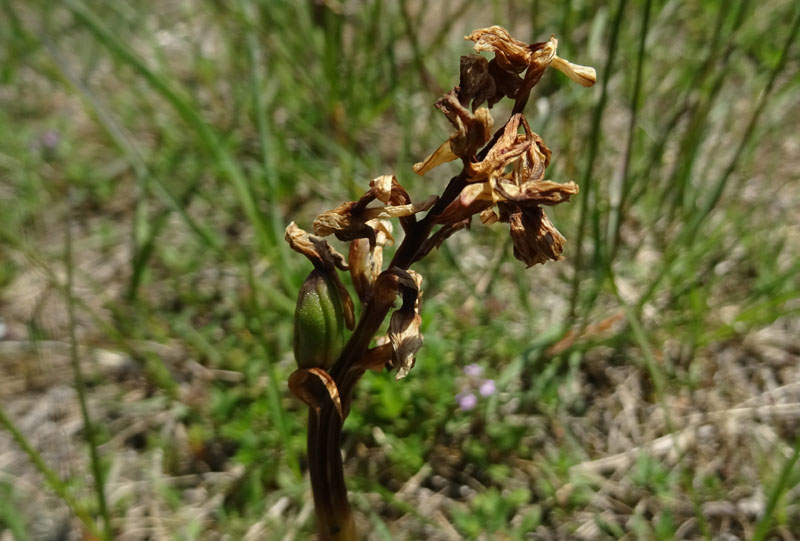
x=646, y=387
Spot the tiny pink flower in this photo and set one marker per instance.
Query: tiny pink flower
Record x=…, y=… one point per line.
x=466, y=401
x=473, y=370
x=487, y=388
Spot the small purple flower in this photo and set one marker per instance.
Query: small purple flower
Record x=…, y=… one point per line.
x=466, y=401
x=487, y=388
x=473, y=370
x=50, y=140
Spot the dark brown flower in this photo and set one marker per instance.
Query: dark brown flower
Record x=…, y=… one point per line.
x=535, y=238
x=513, y=57
x=473, y=130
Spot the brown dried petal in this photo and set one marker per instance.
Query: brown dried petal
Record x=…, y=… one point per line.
x=583, y=75
x=506, y=150
x=476, y=85
x=473, y=130
x=399, y=211
x=441, y=155
x=315, y=386
x=335, y=220
x=473, y=199
x=507, y=83
x=488, y=217
x=316, y=249
x=539, y=192
x=377, y=358
x=512, y=55
x=382, y=187
x=349, y=220
x=535, y=238
x=533, y=162
x=366, y=258
x=405, y=338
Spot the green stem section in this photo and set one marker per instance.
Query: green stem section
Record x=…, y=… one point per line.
x=51, y=478
x=88, y=426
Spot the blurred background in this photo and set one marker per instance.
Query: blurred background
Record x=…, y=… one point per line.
x=152, y=153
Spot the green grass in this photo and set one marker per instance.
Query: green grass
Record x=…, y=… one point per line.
x=190, y=134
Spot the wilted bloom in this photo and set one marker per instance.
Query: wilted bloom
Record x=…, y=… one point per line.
x=473, y=130
x=487, y=388
x=404, y=334
x=366, y=258
x=349, y=220
x=466, y=401
x=512, y=57
x=518, y=193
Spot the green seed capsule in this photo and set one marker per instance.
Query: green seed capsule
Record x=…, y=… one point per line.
x=318, y=323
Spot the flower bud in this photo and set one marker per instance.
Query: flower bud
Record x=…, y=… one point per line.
x=318, y=322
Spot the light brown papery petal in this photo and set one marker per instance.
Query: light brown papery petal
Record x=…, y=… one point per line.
x=503, y=153
x=511, y=54
x=441, y=155
x=539, y=192
x=583, y=75
x=366, y=261
x=488, y=217
x=382, y=187
x=406, y=339
x=382, y=213
x=316, y=249
x=337, y=219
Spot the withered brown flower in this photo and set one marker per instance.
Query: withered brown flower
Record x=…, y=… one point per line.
x=512, y=57
x=366, y=258
x=473, y=130
x=349, y=220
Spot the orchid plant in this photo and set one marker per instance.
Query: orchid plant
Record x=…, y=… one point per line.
x=502, y=179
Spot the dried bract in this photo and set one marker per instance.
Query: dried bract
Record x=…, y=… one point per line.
x=315, y=386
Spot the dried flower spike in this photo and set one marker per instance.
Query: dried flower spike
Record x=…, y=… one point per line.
x=502, y=179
